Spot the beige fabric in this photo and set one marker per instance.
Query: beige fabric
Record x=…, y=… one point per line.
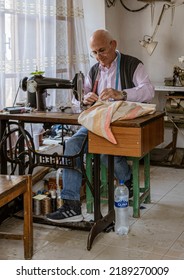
x=98, y=117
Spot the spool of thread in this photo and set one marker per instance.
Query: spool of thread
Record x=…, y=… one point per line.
x=53, y=200
x=46, y=205
x=36, y=206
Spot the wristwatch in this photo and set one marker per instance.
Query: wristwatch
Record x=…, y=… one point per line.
x=123, y=95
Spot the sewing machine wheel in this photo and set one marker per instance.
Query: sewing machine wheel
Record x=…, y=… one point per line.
x=23, y=83
x=18, y=146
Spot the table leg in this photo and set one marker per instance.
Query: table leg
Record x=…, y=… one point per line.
x=147, y=177
x=28, y=221
x=136, y=190
x=102, y=223
x=111, y=183
x=3, y=163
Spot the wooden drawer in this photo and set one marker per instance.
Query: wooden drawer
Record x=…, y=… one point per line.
x=131, y=141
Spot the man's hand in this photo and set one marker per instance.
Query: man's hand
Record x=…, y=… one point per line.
x=90, y=98
x=109, y=93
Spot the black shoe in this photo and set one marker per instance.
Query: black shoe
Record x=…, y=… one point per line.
x=129, y=184
x=70, y=211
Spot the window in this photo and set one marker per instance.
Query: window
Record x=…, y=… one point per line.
x=39, y=36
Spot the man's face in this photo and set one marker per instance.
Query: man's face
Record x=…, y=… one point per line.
x=103, y=51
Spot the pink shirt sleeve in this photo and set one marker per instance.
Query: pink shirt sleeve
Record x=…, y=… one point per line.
x=143, y=90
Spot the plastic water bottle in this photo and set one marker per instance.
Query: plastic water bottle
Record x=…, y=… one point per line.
x=121, y=205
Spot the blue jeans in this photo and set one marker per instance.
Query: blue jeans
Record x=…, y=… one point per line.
x=72, y=179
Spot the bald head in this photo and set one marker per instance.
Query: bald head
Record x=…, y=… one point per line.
x=101, y=35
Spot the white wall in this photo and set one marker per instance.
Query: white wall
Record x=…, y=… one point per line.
x=94, y=16
x=130, y=27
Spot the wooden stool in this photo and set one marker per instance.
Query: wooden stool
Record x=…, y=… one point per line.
x=10, y=188
x=141, y=194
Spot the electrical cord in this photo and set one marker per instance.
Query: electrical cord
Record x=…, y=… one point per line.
x=172, y=121
x=111, y=3
x=15, y=99
x=136, y=10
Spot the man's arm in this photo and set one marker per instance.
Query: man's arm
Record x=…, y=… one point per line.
x=143, y=90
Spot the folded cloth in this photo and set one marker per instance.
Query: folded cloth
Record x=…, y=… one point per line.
x=98, y=117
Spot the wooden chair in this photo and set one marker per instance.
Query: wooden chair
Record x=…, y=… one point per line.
x=11, y=187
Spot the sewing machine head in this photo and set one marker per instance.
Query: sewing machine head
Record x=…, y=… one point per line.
x=178, y=76
x=37, y=86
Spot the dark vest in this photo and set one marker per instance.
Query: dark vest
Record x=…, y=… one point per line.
x=128, y=64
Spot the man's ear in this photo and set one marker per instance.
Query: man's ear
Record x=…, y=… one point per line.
x=114, y=44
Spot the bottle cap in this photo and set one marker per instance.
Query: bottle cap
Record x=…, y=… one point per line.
x=121, y=182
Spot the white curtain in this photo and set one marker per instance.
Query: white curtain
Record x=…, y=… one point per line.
x=28, y=32
x=45, y=35
x=71, y=46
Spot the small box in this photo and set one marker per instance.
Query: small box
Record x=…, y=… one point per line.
x=52, y=183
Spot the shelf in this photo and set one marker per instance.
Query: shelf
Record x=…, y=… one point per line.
x=162, y=87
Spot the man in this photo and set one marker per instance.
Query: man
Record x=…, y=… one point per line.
x=116, y=77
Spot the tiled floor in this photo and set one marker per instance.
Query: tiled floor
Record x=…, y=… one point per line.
x=158, y=234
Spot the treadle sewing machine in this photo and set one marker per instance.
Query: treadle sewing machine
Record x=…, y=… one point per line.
x=175, y=99
x=17, y=146
x=171, y=155
x=22, y=153
x=22, y=156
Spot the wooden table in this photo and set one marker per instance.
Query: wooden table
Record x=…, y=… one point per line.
x=10, y=188
x=136, y=138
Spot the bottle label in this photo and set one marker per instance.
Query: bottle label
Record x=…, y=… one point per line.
x=121, y=204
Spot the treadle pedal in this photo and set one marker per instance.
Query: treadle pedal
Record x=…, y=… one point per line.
x=159, y=155
x=178, y=157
